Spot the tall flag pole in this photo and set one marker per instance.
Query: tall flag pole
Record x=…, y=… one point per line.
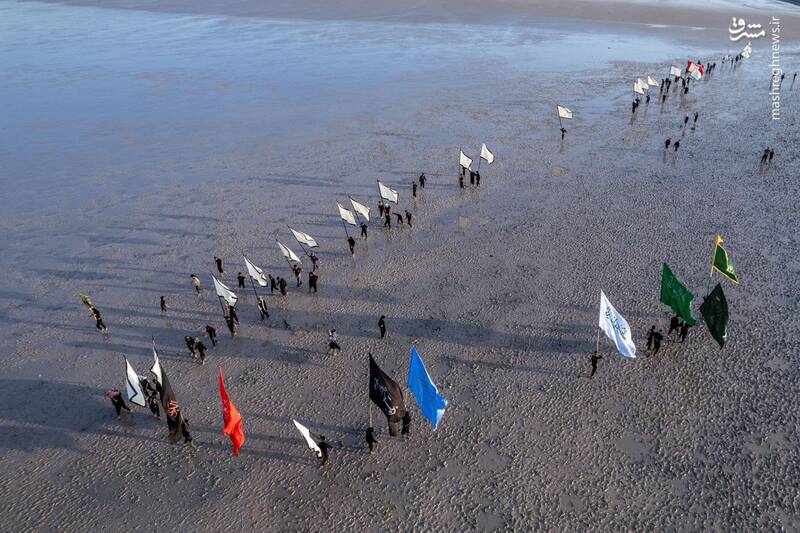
x=233, y=420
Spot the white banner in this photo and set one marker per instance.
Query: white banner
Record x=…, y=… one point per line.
x=675, y=71
x=637, y=88
x=463, y=160
x=134, y=387
x=307, y=435
x=256, y=273
x=563, y=112
x=486, y=154
x=651, y=82
x=346, y=215
x=288, y=254
x=224, y=292
x=361, y=209
x=387, y=193
x=304, y=238
x=156, y=368
x=615, y=327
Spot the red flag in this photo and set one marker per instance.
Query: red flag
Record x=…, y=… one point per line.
x=233, y=420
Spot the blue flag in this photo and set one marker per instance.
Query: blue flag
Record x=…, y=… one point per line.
x=430, y=402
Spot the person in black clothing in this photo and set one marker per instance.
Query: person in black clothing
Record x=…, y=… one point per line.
x=324, y=447
x=471, y=177
x=563, y=133
x=297, y=269
x=461, y=180
x=371, y=440
x=666, y=144
x=382, y=325
x=408, y=218
x=414, y=189
x=218, y=261
x=231, y=325
x=262, y=306
x=147, y=388
x=463, y=171
x=314, y=260
x=674, y=325
x=647, y=99
x=685, y=120
x=387, y=220
x=477, y=179
x=190, y=343
x=657, y=338
x=212, y=334
x=98, y=320
x=594, y=359
x=233, y=315
x=684, y=331
x=677, y=144
x=201, y=349
x=696, y=115
x=664, y=97
x=771, y=155
x=651, y=333
x=406, y=424
x=272, y=284
x=163, y=302
x=380, y=207
x=282, y=286
x=765, y=156
x=399, y=219
x=422, y=177
x=312, y=282
x=241, y=279
x=364, y=231
x=153, y=403
x=116, y=400
x=351, y=243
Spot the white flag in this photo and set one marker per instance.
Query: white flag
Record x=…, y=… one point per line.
x=643, y=85
x=486, y=154
x=307, y=435
x=288, y=254
x=675, y=71
x=616, y=327
x=304, y=238
x=563, y=112
x=463, y=160
x=224, y=292
x=651, y=82
x=637, y=88
x=747, y=51
x=389, y=194
x=156, y=368
x=134, y=387
x=361, y=209
x=346, y=215
x=256, y=273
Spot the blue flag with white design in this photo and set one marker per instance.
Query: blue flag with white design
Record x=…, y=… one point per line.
x=430, y=402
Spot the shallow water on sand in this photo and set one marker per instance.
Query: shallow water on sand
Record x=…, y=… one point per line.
x=100, y=95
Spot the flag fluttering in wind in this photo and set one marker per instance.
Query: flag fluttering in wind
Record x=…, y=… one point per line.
x=388, y=194
x=722, y=264
x=651, y=82
x=747, y=50
x=675, y=295
x=430, y=402
x=463, y=160
x=615, y=327
x=134, y=387
x=346, y=215
x=287, y=253
x=304, y=238
x=224, y=292
x=563, y=112
x=715, y=314
x=256, y=273
x=233, y=420
x=360, y=208
x=695, y=70
x=385, y=393
x=312, y=445
x=156, y=368
x=486, y=154
x=87, y=301
x=675, y=71
x=173, y=411
x=637, y=88
x=643, y=84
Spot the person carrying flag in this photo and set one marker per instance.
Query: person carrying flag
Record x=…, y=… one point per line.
x=371, y=440
x=594, y=359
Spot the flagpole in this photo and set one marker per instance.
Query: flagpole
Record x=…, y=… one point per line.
x=345, y=228
x=711, y=272
x=254, y=287
x=597, y=341
x=560, y=124
x=221, y=306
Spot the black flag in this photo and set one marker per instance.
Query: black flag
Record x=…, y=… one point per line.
x=170, y=404
x=385, y=393
x=715, y=313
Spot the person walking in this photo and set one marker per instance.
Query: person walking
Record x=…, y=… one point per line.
x=764, y=156
x=771, y=155
x=218, y=261
x=422, y=177
x=371, y=440
x=324, y=447
x=190, y=343
x=563, y=133
x=380, y=207
x=461, y=180
x=594, y=359
x=333, y=346
x=406, y=424
x=477, y=179
x=677, y=144
x=685, y=120
x=212, y=334
x=201, y=349
x=312, y=281
x=351, y=243
x=657, y=338
x=163, y=303
x=232, y=314
x=116, y=400
x=153, y=403
x=696, y=115
x=666, y=144
x=240, y=277
x=282, y=286
x=272, y=284
x=408, y=217
x=382, y=325
x=651, y=333
x=387, y=220
x=297, y=269
x=399, y=219
x=684, y=331
x=472, y=177
x=262, y=307
x=674, y=325
x=196, y=283
x=314, y=261
x=364, y=231
x=414, y=189
x=98, y=320
x=231, y=325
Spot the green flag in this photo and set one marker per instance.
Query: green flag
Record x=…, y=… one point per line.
x=715, y=312
x=722, y=264
x=675, y=295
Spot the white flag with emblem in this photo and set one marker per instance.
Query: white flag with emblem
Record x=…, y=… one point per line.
x=287, y=253
x=361, y=209
x=224, y=292
x=615, y=327
x=307, y=435
x=134, y=387
x=156, y=368
x=563, y=112
x=675, y=71
x=486, y=154
x=463, y=160
x=346, y=215
x=387, y=193
x=304, y=238
x=256, y=273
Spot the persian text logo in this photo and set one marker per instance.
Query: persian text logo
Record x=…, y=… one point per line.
x=777, y=71
x=738, y=27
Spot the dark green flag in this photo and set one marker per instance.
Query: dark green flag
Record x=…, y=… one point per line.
x=675, y=295
x=715, y=312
